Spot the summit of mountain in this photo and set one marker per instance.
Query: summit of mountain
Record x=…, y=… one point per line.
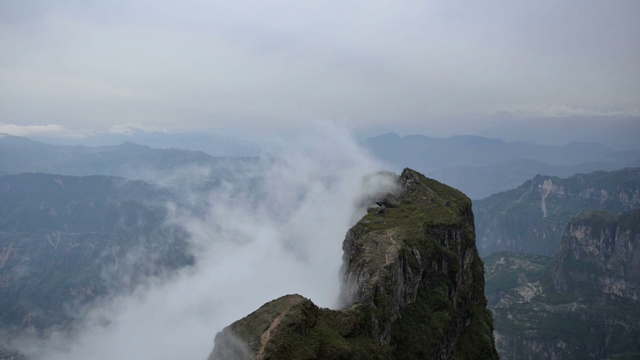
x=412, y=289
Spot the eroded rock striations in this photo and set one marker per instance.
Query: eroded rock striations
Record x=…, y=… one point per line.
x=532, y=218
x=601, y=253
x=413, y=289
x=584, y=305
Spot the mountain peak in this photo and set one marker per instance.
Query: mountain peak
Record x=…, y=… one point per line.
x=412, y=284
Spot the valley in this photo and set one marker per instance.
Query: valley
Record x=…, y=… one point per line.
x=73, y=239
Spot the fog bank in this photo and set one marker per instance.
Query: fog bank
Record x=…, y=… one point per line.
x=248, y=249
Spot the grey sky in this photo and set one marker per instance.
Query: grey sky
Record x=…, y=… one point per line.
x=95, y=65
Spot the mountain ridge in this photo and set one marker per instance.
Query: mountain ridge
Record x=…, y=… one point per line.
x=127, y=160
x=482, y=166
x=532, y=217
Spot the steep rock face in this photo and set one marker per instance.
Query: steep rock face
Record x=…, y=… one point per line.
x=584, y=305
x=532, y=218
x=601, y=252
x=413, y=289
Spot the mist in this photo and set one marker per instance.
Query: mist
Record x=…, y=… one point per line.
x=248, y=250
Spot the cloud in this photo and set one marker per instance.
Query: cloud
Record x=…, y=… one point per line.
x=561, y=110
x=132, y=128
x=249, y=249
x=49, y=130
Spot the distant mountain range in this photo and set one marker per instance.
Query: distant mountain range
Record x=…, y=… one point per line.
x=476, y=165
x=127, y=160
x=212, y=144
x=482, y=166
x=78, y=223
x=532, y=217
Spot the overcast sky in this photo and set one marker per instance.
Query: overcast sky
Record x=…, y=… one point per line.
x=76, y=66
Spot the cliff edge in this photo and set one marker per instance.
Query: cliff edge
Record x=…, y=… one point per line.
x=599, y=253
x=413, y=288
x=583, y=304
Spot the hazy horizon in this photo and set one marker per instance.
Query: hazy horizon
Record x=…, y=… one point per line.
x=617, y=133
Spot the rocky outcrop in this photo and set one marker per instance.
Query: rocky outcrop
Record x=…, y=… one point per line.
x=532, y=217
x=585, y=305
x=600, y=253
x=412, y=289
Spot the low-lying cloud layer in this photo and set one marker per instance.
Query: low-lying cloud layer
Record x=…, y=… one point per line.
x=247, y=253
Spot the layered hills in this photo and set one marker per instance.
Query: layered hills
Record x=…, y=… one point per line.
x=478, y=166
x=412, y=280
x=412, y=289
x=532, y=218
x=582, y=304
x=481, y=166
x=128, y=160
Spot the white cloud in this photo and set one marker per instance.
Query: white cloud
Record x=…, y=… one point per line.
x=131, y=128
x=561, y=110
x=248, y=252
x=49, y=130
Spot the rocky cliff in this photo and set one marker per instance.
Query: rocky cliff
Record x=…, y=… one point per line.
x=412, y=289
x=584, y=305
x=532, y=218
x=600, y=253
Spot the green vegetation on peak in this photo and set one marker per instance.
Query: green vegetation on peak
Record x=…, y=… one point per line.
x=424, y=203
x=413, y=289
